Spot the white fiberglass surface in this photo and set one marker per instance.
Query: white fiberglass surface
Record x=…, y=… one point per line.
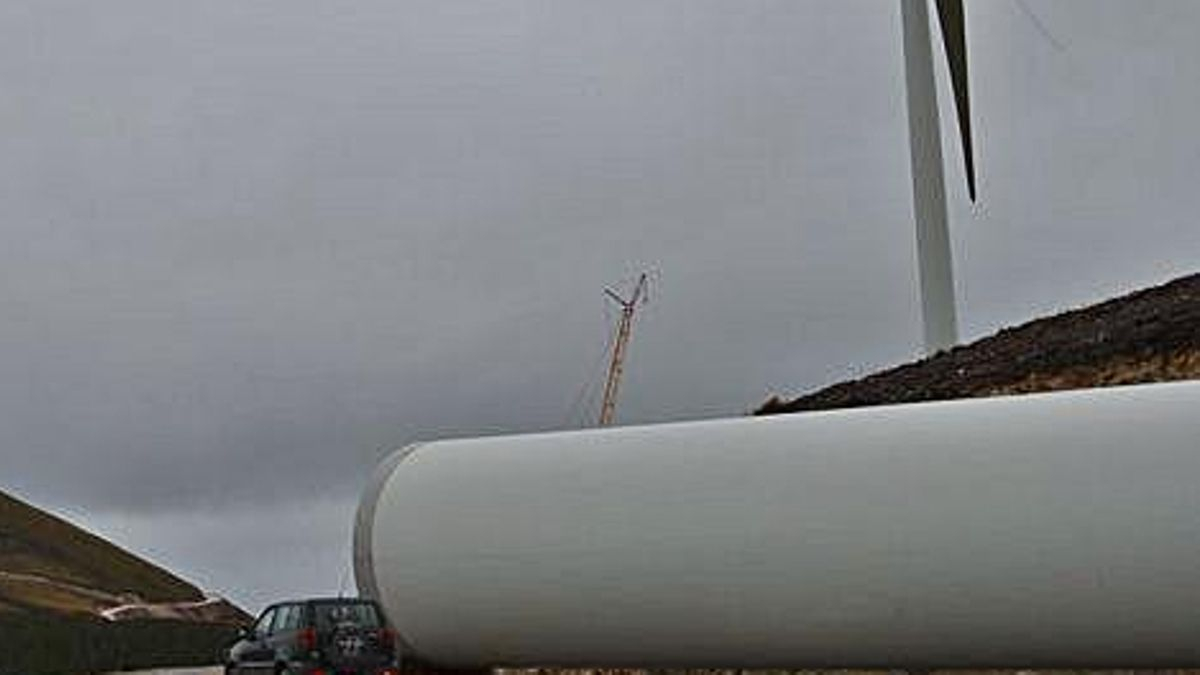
x=1046, y=529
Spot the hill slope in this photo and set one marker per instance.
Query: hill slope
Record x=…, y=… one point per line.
x=72, y=602
x=1148, y=336
x=34, y=543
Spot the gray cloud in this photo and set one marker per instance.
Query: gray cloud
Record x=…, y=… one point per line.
x=250, y=247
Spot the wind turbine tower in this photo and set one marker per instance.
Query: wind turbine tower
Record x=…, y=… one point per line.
x=934, y=257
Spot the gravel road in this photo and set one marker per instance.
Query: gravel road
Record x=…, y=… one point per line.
x=214, y=670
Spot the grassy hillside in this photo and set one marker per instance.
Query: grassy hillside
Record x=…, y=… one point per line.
x=33, y=542
x=56, y=578
x=1152, y=335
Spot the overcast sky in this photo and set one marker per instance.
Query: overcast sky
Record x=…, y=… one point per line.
x=248, y=247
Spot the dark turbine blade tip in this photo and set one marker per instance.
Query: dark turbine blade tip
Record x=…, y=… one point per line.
x=954, y=40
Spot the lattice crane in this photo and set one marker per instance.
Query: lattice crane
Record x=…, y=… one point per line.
x=616, y=366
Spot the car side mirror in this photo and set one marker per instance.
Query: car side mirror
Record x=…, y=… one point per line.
x=245, y=633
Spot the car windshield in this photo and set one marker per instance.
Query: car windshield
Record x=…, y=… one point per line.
x=332, y=615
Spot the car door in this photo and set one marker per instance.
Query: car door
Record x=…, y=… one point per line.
x=255, y=654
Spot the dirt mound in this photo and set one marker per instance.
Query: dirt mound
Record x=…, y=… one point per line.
x=1152, y=335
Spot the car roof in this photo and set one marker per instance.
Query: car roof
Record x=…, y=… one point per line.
x=321, y=601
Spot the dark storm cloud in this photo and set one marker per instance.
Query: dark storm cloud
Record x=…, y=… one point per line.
x=250, y=247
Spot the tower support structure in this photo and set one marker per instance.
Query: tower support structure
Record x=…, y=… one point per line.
x=934, y=256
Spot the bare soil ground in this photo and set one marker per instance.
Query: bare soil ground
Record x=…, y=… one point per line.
x=214, y=670
x=1152, y=335
x=543, y=671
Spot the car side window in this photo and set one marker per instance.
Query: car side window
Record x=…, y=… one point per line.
x=263, y=626
x=292, y=620
x=282, y=618
x=298, y=617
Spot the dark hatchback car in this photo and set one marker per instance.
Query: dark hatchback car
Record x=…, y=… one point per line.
x=329, y=636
